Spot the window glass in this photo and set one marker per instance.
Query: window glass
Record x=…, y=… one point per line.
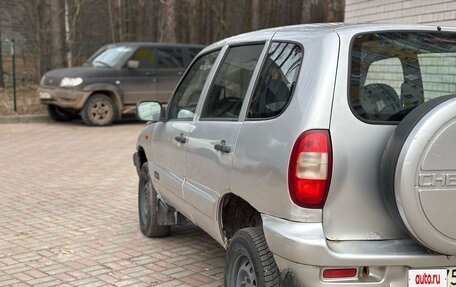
x=169, y=58
x=439, y=72
x=193, y=52
x=186, y=98
x=276, y=81
x=111, y=56
x=145, y=57
x=378, y=91
x=388, y=72
x=227, y=93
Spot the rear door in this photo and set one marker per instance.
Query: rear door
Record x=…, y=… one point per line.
x=170, y=67
x=139, y=84
x=169, y=139
x=212, y=138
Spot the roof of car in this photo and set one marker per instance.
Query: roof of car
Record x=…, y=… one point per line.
x=319, y=29
x=157, y=44
x=316, y=27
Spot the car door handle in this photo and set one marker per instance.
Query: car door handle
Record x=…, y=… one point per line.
x=180, y=138
x=222, y=147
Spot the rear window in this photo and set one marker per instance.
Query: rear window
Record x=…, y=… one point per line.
x=393, y=73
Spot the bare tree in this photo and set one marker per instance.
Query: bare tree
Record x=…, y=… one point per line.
x=2, y=82
x=256, y=14
x=72, y=13
x=168, y=29
x=55, y=35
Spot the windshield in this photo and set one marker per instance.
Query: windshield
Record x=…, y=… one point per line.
x=393, y=73
x=112, y=57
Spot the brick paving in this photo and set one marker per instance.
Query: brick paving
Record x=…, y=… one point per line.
x=68, y=214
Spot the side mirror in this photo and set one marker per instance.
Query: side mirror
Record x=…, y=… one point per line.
x=150, y=111
x=133, y=64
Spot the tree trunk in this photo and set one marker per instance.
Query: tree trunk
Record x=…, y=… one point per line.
x=55, y=30
x=169, y=15
x=2, y=82
x=306, y=16
x=112, y=23
x=69, y=54
x=256, y=14
x=50, y=30
x=140, y=17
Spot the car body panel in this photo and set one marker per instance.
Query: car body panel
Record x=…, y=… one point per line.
x=169, y=157
x=357, y=181
x=257, y=173
x=138, y=84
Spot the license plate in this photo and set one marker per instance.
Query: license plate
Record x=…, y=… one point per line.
x=432, y=277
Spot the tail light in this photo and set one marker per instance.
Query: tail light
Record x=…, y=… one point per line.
x=309, y=171
x=339, y=273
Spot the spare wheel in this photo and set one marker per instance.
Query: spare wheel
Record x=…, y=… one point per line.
x=418, y=174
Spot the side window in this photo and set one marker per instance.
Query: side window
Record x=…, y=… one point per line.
x=192, y=52
x=227, y=93
x=186, y=98
x=145, y=56
x=276, y=81
x=170, y=58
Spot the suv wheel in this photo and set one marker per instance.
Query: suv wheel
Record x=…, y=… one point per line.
x=99, y=110
x=58, y=114
x=249, y=261
x=148, y=206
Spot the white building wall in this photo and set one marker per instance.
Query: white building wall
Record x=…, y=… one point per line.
x=440, y=12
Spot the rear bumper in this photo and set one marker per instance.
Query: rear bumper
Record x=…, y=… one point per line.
x=303, y=248
x=64, y=98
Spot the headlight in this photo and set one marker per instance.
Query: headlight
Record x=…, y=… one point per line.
x=70, y=82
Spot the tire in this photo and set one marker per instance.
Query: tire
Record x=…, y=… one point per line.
x=59, y=115
x=148, y=206
x=249, y=262
x=99, y=110
x=417, y=174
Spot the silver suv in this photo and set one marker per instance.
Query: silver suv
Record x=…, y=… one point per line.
x=317, y=155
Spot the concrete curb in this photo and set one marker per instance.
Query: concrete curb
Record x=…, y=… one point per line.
x=14, y=119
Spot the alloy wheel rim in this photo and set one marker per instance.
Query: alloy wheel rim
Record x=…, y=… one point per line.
x=144, y=202
x=245, y=275
x=100, y=111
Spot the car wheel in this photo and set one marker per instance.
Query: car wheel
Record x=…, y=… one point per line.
x=58, y=114
x=99, y=110
x=249, y=261
x=418, y=174
x=148, y=206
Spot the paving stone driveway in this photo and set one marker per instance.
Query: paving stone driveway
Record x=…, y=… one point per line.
x=68, y=214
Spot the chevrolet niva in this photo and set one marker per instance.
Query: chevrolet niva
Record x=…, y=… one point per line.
x=317, y=155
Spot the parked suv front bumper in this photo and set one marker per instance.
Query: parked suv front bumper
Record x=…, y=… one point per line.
x=64, y=98
x=304, y=249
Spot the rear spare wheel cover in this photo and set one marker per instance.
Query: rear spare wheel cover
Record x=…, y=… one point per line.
x=418, y=174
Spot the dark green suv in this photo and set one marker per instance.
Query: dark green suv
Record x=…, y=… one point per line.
x=114, y=79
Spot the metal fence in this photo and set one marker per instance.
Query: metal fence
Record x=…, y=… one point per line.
x=20, y=60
